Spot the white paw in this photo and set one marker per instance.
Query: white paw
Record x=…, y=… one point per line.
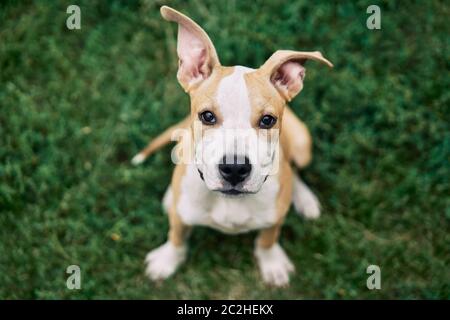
x=310, y=206
x=274, y=265
x=305, y=202
x=167, y=199
x=138, y=159
x=163, y=261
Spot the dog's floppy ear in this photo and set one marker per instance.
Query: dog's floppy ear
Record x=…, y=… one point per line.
x=196, y=53
x=286, y=70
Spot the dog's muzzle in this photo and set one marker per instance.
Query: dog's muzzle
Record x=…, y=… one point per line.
x=236, y=171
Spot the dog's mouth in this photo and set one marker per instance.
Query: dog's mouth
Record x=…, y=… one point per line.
x=201, y=174
x=232, y=192
x=228, y=192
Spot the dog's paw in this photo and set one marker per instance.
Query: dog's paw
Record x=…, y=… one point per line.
x=163, y=261
x=137, y=159
x=310, y=206
x=305, y=202
x=167, y=199
x=274, y=265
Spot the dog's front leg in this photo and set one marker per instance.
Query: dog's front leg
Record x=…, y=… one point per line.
x=273, y=262
x=163, y=261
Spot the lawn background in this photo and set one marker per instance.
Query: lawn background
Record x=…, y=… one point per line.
x=75, y=106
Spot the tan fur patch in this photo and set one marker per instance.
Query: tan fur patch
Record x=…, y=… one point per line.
x=269, y=236
x=264, y=99
x=177, y=230
x=202, y=98
x=295, y=139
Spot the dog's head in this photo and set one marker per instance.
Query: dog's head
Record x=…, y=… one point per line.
x=236, y=112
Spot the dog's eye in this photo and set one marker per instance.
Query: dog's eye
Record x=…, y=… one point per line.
x=267, y=122
x=207, y=117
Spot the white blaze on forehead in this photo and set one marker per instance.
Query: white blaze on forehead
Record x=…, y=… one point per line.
x=233, y=100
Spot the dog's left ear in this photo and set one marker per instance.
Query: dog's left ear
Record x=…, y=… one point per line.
x=286, y=70
x=196, y=53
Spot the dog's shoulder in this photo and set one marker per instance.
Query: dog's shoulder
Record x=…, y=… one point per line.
x=295, y=139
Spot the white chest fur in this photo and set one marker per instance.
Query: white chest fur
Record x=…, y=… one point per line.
x=198, y=205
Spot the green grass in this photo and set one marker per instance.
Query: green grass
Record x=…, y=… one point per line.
x=75, y=106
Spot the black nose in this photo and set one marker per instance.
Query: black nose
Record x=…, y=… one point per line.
x=235, y=172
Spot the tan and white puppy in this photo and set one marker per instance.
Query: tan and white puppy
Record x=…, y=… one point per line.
x=233, y=172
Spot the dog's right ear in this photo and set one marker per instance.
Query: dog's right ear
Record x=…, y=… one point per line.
x=196, y=53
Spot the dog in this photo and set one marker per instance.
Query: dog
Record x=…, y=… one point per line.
x=218, y=184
